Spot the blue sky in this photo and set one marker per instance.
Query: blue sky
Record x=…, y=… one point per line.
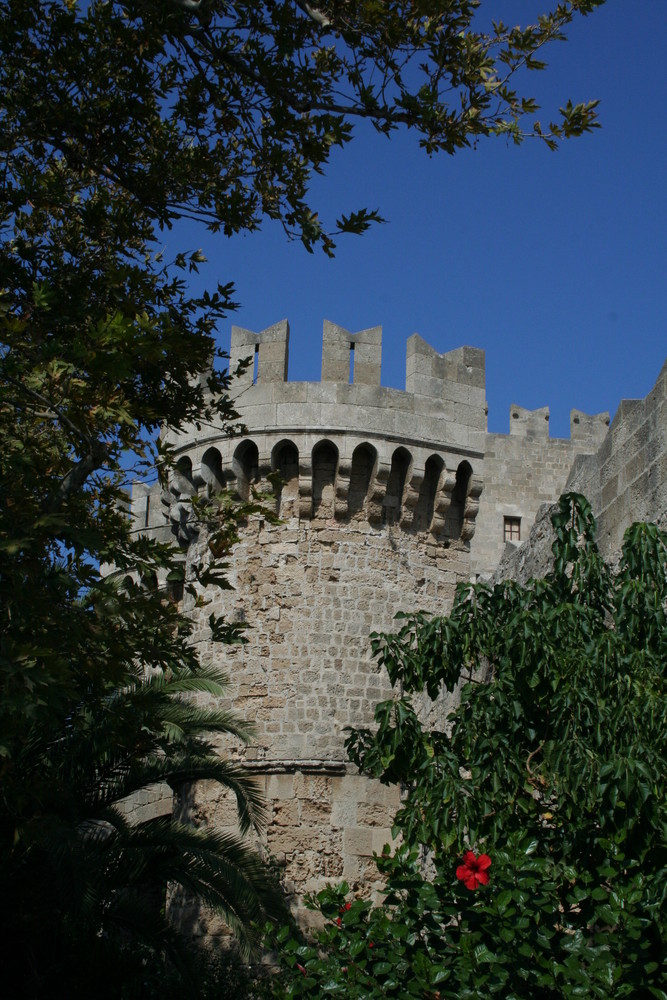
x=554, y=263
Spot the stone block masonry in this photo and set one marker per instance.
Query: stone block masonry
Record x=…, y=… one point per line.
x=626, y=478
x=388, y=500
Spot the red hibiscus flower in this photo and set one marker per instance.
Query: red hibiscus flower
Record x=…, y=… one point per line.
x=473, y=871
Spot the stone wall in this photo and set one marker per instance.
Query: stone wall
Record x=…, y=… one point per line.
x=523, y=471
x=626, y=479
x=312, y=592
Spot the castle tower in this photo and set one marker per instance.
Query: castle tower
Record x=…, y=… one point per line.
x=380, y=505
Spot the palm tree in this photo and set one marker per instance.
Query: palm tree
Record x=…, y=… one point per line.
x=83, y=889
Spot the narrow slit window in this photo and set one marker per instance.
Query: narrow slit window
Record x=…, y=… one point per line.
x=255, y=365
x=351, y=372
x=512, y=529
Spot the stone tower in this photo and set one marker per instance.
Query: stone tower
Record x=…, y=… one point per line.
x=389, y=498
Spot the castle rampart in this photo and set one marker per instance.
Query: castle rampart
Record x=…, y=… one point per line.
x=626, y=478
x=524, y=470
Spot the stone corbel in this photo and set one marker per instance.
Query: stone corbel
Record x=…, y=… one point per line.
x=342, y=492
x=376, y=492
x=442, y=501
x=471, y=508
x=410, y=499
x=306, y=487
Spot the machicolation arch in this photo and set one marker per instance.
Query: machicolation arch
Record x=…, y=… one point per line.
x=325, y=486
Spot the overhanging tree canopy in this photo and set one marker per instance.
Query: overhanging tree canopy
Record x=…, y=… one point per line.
x=119, y=118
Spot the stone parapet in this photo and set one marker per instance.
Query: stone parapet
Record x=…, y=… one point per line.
x=625, y=479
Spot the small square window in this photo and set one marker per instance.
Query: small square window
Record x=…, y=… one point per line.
x=512, y=529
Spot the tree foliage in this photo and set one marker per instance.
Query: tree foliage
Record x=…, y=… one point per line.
x=84, y=885
x=117, y=119
x=553, y=764
x=222, y=110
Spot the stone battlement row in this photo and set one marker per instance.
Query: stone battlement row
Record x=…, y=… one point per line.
x=451, y=385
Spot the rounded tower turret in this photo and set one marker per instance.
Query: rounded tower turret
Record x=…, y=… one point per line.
x=380, y=490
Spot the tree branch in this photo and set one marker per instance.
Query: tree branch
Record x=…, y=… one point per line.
x=314, y=14
x=77, y=476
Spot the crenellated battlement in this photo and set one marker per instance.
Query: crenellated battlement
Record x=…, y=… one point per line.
x=272, y=349
x=434, y=375
x=448, y=386
x=351, y=357
x=349, y=449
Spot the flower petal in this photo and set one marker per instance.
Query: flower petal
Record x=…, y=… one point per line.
x=483, y=862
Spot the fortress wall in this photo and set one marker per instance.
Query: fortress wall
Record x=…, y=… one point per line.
x=516, y=486
x=626, y=479
x=312, y=595
x=362, y=536
x=378, y=502
x=524, y=470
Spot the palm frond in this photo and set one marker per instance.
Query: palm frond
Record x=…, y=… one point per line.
x=178, y=771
